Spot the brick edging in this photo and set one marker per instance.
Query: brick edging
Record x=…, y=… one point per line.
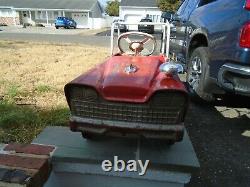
x=25, y=165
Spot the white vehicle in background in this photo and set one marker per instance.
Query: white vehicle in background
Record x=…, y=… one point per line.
x=121, y=27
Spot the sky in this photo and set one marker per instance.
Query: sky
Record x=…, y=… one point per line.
x=103, y=2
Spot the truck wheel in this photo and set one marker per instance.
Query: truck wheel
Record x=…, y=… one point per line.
x=197, y=74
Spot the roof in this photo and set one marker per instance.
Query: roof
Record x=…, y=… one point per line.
x=139, y=3
x=50, y=4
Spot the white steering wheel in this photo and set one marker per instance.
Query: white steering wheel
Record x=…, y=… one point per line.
x=137, y=47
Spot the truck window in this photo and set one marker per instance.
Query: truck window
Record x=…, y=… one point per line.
x=190, y=6
x=182, y=7
x=205, y=2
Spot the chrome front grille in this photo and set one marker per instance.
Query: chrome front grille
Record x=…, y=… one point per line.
x=150, y=112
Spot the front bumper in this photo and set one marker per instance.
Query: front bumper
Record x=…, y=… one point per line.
x=235, y=78
x=106, y=127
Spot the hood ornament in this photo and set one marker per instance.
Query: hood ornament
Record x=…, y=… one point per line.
x=131, y=69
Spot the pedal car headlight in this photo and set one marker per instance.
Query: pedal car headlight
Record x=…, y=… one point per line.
x=171, y=68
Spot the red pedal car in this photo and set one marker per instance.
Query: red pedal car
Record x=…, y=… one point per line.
x=134, y=92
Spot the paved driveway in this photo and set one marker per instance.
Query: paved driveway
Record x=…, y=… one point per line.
x=220, y=134
x=82, y=36
x=48, y=30
x=88, y=40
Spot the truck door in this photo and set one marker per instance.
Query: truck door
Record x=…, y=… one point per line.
x=180, y=29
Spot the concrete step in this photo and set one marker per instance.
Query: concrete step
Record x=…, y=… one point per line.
x=78, y=162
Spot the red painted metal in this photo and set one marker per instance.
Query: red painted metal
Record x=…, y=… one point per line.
x=245, y=36
x=114, y=84
x=247, y=5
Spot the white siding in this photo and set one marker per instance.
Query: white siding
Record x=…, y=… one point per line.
x=97, y=23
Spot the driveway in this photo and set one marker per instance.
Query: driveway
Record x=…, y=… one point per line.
x=220, y=135
x=49, y=30
x=100, y=37
x=78, y=39
x=48, y=34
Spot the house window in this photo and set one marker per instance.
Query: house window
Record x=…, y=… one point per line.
x=6, y=13
x=55, y=14
x=41, y=15
x=52, y=15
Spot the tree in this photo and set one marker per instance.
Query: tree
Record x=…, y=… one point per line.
x=112, y=8
x=169, y=5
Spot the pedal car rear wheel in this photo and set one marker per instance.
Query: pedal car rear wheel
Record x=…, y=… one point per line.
x=89, y=135
x=170, y=142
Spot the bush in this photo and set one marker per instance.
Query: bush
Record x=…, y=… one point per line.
x=112, y=8
x=169, y=5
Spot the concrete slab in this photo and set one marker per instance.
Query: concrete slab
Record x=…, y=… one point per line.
x=79, y=160
x=72, y=147
x=179, y=157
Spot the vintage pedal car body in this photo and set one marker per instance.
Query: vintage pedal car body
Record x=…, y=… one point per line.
x=132, y=92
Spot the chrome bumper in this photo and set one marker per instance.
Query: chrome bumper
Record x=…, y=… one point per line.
x=170, y=132
x=235, y=78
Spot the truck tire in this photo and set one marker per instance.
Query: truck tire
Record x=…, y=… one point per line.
x=197, y=74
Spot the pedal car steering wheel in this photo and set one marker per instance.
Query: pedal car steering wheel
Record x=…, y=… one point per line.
x=137, y=47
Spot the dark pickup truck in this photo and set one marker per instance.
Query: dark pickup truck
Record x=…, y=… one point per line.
x=212, y=39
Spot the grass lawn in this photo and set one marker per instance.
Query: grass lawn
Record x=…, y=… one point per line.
x=32, y=78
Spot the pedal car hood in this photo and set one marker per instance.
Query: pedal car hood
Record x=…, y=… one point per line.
x=129, y=75
x=129, y=78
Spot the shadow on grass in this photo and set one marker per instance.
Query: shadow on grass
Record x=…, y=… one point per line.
x=23, y=123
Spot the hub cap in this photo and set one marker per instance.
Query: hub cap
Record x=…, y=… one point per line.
x=195, y=72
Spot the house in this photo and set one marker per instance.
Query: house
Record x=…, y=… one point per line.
x=134, y=11
x=87, y=13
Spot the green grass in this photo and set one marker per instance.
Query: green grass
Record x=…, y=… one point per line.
x=43, y=88
x=13, y=91
x=22, y=124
